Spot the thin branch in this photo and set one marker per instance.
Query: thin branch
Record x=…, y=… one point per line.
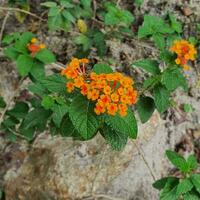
x=98, y=170
x=58, y=66
x=97, y=196
x=22, y=11
x=141, y=153
x=3, y=25
x=10, y=100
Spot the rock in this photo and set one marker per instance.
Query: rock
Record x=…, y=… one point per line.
x=187, y=11
x=58, y=168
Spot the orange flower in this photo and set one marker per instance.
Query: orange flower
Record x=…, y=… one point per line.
x=99, y=109
x=113, y=92
x=78, y=82
x=84, y=89
x=115, y=97
x=112, y=108
x=70, y=86
x=105, y=99
x=185, y=52
x=93, y=94
x=33, y=47
x=34, y=40
x=42, y=46
x=107, y=89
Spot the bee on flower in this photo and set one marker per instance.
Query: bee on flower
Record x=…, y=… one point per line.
x=185, y=52
x=112, y=92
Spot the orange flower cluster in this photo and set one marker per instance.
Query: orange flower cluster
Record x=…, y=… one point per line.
x=185, y=52
x=112, y=92
x=34, y=46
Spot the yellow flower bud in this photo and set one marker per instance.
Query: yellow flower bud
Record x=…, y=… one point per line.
x=82, y=26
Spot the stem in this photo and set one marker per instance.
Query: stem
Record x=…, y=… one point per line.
x=3, y=25
x=22, y=11
x=141, y=153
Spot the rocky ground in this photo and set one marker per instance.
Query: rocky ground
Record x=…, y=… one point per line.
x=61, y=169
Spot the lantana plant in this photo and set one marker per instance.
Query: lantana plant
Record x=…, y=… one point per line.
x=186, y=186
x=81, y=102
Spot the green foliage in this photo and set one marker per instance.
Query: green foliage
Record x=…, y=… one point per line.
x=151, y=66
x=153, y=25
x=188, y=187
x=161, y=98
x=2, y=102
x=160, y=30
x=116, y=139
x=92, y=38
x=83, y=118
x=188, y=108
x=126, y=125
x=102, y=68
x=27, y=64
x=145, y=107
x=173, y=78
x=63, y=15
x=117, y=16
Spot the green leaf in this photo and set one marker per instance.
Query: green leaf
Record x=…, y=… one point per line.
x=138, y=2
x=66, y=4
x=169, y=190
x=196, y=181
x=19, y=111
x=188, y=108
x=184, y=186
x=151, y=82
x=145, y=107
x=190, y=196
x=192, y=162
x=99, y=43
x=148, y=65
x=68, y=16
x=37, y=118
x=83, y=117
x=24, y=64
x=11, y=53
x=159, y=40
x=117, y=16
x=173, y=78
x=167, y=56
x=160, y=184
x=84, y=41
x=38, y=89
x=55, y=22
x=27, y=133
x=126, y=125
x=37, y=71
x=45, y=56
x=161, y=98
x=47, y=102
x=102, y=68
x=10, y=38
x=175, y=24
x=58, y=113
x=10, y=122
x=2, y=102
x=177, y=160
x=21, y=44
x=67, y=129
x=53, y=11
x=55, y=83
x=49, y=4
x=116, y=139
x=152, y=25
